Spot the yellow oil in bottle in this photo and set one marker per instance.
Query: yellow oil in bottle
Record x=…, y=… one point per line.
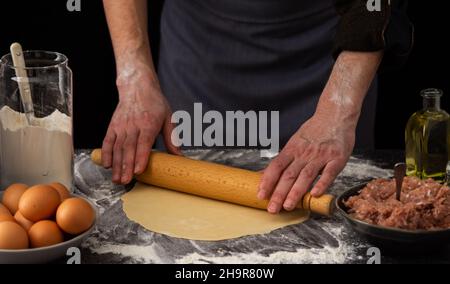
x=427, y=139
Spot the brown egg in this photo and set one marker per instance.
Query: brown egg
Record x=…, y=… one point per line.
x=4, y=210
x=6, y=217
x=62, y=190
x=39, y=202
x=12, y=195
x=75, y=216
x=12, y=236
x=22, y=221
x=45, y=233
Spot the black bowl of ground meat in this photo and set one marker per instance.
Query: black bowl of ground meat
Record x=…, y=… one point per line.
x=419, y=222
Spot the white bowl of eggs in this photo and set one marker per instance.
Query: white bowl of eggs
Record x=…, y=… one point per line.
x=39, y=224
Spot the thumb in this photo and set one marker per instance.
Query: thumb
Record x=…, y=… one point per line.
x=167, y=136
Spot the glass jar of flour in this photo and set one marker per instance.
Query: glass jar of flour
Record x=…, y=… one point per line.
x=36, y=144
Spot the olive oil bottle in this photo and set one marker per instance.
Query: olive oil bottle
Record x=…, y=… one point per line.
x=427, y=139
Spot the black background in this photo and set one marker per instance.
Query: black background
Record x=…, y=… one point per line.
x=83, y=37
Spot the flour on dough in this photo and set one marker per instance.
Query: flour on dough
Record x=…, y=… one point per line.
x=191, y=217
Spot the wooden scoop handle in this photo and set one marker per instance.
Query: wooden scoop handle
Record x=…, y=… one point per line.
x=214, y=181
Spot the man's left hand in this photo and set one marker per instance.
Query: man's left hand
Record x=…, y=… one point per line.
x=320, y=146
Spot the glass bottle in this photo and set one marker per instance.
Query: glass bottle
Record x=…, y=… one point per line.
x=36, y=149
x=427, y=139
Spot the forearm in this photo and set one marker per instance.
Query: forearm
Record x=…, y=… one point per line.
x=127, y=22
x=324, y=143
x=347, y=86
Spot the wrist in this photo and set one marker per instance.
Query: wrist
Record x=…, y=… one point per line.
x=135, y=60
x=341, y=102
x=132, y=72
x=132, y=79
x=336, y=115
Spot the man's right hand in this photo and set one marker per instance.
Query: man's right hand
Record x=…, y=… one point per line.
x=141, y=114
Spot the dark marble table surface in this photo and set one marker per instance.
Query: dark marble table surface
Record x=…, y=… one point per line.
x=318, y=240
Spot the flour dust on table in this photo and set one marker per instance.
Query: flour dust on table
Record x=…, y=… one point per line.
x=116, y=239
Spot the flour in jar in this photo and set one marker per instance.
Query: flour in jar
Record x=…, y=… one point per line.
x=37, y=153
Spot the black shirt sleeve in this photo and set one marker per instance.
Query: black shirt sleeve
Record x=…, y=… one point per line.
x=368, y=30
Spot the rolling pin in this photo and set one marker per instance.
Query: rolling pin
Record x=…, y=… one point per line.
x=214, y=181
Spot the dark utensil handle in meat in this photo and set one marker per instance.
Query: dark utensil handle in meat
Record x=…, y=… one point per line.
x=399, y=174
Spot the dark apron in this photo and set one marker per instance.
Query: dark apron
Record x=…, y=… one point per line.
x=252, y=55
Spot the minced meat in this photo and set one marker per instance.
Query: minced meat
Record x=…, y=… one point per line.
x=423, y=205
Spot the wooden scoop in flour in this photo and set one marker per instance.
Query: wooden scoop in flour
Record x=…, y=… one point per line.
x=214, y=181
x=22, y=81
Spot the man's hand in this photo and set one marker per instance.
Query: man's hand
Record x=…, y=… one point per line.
x=140, y=116
x=142, y=112
x=325, y=142
x=319, y=146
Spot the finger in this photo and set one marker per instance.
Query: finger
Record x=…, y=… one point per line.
x=302, y=184
x=329, y=174
x=129, y=154
x=284, y=185
x=167, y=136
x=144, y=147
x=272, y=173
x=117, y=157
x=107, y=148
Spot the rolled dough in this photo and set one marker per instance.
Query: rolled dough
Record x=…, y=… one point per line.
x=191, y=217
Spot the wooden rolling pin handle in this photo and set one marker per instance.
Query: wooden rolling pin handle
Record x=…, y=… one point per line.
x=214, y=181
